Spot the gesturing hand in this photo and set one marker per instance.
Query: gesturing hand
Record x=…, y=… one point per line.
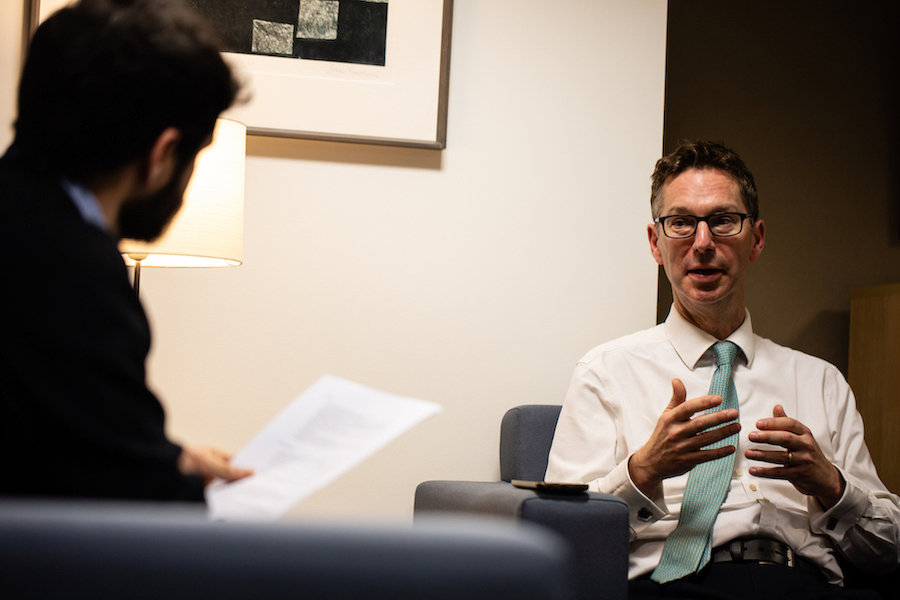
x=801, y=461
x=680, y=439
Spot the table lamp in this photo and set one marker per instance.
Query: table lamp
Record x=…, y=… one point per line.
x=208, y=231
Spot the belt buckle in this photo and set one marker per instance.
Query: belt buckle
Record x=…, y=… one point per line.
x=738, y=549
x=786, y=554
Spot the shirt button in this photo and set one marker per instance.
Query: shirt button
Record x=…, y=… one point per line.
x=738, y=473
x=752, y=487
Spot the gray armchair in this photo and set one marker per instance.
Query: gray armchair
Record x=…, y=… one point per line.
x=106, y=551
x=594, y=525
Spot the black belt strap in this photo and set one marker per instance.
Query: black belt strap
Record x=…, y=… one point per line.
x=759, y=550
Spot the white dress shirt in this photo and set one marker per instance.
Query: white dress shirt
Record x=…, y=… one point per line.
x=620, y=389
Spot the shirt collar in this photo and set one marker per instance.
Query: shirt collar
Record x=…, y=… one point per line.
x=86, y=203
x=691, y=342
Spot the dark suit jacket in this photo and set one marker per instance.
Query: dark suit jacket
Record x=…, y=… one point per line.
x=76, y=416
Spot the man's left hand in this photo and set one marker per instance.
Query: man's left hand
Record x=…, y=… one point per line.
x=801, y=462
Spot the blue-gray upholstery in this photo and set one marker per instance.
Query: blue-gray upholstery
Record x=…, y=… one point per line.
x=526, y=434
x=594, y=525
x=119, y=550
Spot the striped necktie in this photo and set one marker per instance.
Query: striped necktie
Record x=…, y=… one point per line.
x=688, y=548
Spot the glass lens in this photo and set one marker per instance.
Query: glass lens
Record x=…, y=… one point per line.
x=727, y=224
x=680, y=225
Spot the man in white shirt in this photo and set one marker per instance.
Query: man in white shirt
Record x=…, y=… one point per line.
x=638, y=418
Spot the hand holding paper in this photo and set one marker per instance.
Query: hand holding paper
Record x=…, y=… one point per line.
x=329, y=429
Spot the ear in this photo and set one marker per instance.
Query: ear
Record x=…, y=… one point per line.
x=161, y=159
x=759, y=240
x=653, y=236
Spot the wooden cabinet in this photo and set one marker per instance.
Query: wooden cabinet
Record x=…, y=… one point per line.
x=874, y=374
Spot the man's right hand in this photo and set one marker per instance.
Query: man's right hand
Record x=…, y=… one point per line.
x=680, y=440
x=209, y=463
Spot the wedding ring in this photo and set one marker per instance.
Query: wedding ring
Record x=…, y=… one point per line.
x=790, y=458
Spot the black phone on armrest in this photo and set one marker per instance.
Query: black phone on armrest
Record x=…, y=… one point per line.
x=547, y=486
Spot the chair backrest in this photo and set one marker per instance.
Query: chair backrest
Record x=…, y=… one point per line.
x=108, y=551
x=526, y=434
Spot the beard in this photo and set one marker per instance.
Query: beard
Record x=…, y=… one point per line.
x=145, y=218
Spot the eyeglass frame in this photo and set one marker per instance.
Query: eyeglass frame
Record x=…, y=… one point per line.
x=743, y=216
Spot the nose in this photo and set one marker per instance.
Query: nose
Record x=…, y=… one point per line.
x=704, y=240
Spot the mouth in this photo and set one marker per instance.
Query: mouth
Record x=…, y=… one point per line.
x=705, y=274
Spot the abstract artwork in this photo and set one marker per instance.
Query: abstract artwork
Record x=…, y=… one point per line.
x=350, y=31
x=365, y=71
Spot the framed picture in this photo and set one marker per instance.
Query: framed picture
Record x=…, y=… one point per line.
x=367, y=71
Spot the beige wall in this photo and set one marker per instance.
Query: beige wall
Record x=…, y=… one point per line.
x=10, y=61
x=473, y=277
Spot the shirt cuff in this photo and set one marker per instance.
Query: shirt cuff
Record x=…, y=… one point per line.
x=642, y=511
x=835, y=521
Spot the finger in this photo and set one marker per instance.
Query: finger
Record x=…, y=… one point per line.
x=782, y=424
x=712, y=419
x=679, y=394
x=708, y=454
x=688, y=409
x=233, y=473
x=213, y=451
x=777, y=437
x=712, y=436
x=780, y=420
x=795, y=438
x=770, y=472
x=777, y=457
x=221, y=469
x=211, y=463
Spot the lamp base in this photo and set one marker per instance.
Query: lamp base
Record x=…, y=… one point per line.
x=137, y=258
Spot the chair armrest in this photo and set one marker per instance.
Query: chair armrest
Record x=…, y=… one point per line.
x=594, y=525
x=492, y=498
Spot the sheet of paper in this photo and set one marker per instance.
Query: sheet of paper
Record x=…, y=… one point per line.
x=326, y=431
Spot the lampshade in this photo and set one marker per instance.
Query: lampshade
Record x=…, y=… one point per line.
x=208, y=231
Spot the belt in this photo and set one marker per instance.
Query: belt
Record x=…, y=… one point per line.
x=759, y=550
x=762, y=551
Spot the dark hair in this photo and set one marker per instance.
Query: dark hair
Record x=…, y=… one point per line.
x=104, y=78
x=704, y=155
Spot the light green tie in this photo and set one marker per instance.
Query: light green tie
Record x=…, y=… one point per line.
x=687, y=549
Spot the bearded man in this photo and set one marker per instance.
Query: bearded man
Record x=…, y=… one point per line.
x=116, y=99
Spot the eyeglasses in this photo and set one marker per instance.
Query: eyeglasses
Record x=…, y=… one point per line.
x=684, y=226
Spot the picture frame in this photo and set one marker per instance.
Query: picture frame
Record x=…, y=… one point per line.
x=402, y=103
